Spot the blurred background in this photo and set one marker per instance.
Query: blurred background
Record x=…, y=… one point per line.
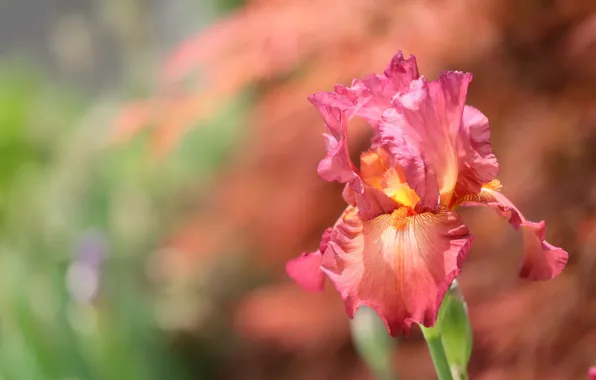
x=158, y=167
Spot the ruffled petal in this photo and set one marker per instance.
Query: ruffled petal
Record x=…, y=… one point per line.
x=421, y=132
x=305, y=270
x=477, y=163
x=542, y=260
x=336, y=166
x=400, y=265
x=374, y=93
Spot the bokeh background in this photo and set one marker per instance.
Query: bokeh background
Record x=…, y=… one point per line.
x=158, y=167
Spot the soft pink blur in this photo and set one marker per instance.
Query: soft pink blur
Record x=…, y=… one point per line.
x=534, y=78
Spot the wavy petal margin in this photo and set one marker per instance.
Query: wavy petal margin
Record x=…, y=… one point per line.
x=542, y=260
x=374, y=93
x=336, y=166
x=421, y=132
x=399, y=265
x=477, y=163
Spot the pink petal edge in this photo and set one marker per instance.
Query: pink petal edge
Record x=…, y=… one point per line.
x=477, y=163
x=421, y=132
x=402, y=278
x=542, y=260
x=305, y=270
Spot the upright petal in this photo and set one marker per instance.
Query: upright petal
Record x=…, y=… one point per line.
x=400, y=265
x=477, y=163
x=542, y=260
x=374, y=93
x=421, y=132
x=305, y=270
x=336, y=166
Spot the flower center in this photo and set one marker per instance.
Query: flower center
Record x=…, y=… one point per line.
x=399, y=217
x=376, y=171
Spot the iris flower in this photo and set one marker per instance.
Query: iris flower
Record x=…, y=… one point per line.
x=400, y=243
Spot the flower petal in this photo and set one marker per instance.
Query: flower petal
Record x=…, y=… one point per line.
x=337, y=166
x=373, y=94
x=421, y=132
x=399, y=265
x=305, y=270
x=373, y=202
x=542, y=260
x=477, y=163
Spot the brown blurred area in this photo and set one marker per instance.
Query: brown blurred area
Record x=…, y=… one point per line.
x=534, y=66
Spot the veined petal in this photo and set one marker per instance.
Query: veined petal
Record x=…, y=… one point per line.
x=421, y=132
x=305, y=270
x=477, y=163
x=542, y=260
x=400, y=265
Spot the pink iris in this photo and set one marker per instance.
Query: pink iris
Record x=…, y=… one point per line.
x=399, y=244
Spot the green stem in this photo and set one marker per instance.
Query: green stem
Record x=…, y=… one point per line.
x=437, y=353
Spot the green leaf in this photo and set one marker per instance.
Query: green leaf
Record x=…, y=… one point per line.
x=454, y=328
x=373, y=343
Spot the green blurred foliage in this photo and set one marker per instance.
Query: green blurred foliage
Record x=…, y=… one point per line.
x=60, y=183
x=374, y=345
x=226, y=5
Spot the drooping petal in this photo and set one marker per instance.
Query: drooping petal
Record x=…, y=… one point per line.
x=421, y=132
x=374, y=93
x=542, y=260
x=305, y=270
x=400, y=265
x=477, y=163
